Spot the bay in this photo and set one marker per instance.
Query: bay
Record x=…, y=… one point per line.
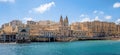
x=98, y=47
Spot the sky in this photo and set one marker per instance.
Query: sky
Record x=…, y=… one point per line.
x=76, y=10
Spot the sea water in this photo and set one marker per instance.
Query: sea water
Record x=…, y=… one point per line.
x=102, y=47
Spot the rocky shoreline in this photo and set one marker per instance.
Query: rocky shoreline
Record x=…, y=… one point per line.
x=68, y=39
x=63, y=39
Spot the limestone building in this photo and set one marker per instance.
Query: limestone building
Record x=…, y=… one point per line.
x=23, y=34
x=60, y=30
x=16, y=31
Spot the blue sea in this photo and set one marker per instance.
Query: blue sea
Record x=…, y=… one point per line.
x=101, y=47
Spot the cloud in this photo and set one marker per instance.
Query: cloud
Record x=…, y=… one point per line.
x=108, y=17
x=28, y=18
x=83, y=15
x=90, y=20
x=44, y=7
x=85, y=19
x=97, y=18
x=95, y=11
x=116, y=5
x=101, y=12
x=10, y=1
x=98, y=12
x=117, y=21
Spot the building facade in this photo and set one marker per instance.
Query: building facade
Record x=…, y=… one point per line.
x=23, y=34
x=18, y=31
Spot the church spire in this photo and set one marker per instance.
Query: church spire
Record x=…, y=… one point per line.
x=61, y=20
x=66, y=21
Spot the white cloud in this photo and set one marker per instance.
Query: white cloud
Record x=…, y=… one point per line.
x=11, y=1
x=82, y=15
x=95, y=11
x=101, y=12
x=85, y=19
x=44, y=7
x=117, y=21
x=108, y=17
x=28, y=18
x=96, y=18
x=98, y=12
x=116, y=5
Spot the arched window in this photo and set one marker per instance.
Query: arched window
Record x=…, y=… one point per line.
x=23, y=30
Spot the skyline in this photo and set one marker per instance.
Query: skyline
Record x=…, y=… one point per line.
x=77, y=11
